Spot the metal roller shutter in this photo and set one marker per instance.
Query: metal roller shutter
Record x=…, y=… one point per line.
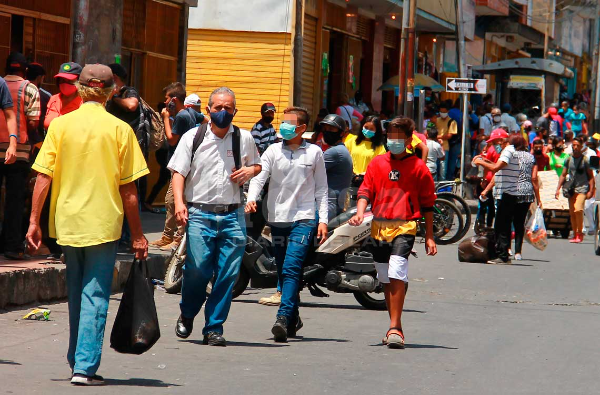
x=309, y=57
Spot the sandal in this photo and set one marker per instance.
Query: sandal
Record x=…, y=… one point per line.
x=394, y=340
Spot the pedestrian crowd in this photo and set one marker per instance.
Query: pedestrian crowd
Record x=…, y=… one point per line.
x=87, y=147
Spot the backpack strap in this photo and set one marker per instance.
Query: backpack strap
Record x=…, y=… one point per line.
x=235, y=146
x=199, y=138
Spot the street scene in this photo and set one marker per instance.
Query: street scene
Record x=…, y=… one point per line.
x=347, y=197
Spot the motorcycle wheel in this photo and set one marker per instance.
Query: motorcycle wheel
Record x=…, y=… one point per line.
x=367, y=300
x=241, y=283
x=174, y=273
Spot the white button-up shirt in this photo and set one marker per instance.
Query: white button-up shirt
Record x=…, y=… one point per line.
x=298, y=181
x=208, y=177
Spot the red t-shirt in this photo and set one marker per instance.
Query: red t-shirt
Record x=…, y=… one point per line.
x=56, y=108
x=493, y=157
x=398, y=189
x=542, y=161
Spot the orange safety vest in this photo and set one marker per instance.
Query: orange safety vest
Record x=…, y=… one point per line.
x=17, y=91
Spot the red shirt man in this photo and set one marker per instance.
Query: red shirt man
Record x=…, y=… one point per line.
x=401, y=191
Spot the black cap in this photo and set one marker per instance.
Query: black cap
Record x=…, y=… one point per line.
x=118, y=70
x=267, y=107
x=35, y=70
x=335, y=121
x=16, y=61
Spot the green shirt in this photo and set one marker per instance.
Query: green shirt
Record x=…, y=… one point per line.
x=557, y=163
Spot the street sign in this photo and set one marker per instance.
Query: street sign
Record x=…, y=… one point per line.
x=465, y=85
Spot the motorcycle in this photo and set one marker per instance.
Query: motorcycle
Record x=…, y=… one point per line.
x=340, y=264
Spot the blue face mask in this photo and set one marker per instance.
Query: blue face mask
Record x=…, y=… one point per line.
x=222, y=119
x=368, y=133
x=395, y=146
x=287, y=130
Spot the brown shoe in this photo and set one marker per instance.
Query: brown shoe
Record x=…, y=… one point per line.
x=172, y=245
x=163, y=241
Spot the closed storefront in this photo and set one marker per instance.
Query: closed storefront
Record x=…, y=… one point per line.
x=255, y=65
x=38, y=29
x=309, y=59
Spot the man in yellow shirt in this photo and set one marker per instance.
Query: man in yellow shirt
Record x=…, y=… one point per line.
x=91, y=158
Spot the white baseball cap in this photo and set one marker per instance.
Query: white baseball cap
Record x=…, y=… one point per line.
x=192, y=100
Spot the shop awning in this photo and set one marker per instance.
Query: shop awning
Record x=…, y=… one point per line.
x=545, y=66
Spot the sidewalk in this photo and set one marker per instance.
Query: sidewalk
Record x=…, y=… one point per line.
x=41, y=280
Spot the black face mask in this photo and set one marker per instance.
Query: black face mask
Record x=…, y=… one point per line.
x=331, y=138
x=267, y=119
x=538, y=151
x=559, y=149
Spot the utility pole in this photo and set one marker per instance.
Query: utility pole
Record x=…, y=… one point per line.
x=548, y=22
x=402, y=68
x=596, y=74
x=97, y=31
x=298, y=47
x=462, y=70
x=410, y=61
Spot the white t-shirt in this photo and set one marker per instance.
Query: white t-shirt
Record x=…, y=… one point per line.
x=435, y=152
x=507, y=179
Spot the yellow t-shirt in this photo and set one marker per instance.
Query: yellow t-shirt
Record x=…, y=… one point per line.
x=362, y=154
x=89, y=153
x=389, y=230
x=413, y=144
x=445, y=127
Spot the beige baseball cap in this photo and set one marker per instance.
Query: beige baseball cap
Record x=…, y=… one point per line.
x=96, y=76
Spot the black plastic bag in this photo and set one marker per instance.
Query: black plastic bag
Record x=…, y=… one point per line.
x=136, y=327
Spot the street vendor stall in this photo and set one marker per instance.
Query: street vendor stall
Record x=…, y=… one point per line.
x=556, y=211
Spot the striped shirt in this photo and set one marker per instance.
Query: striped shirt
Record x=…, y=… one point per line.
x=263, y=135
x=32, y=99
x=507, y=179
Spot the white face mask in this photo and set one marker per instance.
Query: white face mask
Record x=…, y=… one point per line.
x=497, y=118
x=444, y=114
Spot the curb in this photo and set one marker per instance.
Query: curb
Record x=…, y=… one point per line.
x=27, y=286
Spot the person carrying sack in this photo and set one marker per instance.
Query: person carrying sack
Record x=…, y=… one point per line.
x=578, y=184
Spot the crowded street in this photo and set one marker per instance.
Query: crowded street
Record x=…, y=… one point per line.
x=529, y=328
x=300, y=197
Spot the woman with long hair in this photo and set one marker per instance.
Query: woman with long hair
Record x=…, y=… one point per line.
x=367, y=144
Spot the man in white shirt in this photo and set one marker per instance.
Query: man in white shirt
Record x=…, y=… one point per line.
x=436, y=152
x=508, y=119
x=215, y=221
x=298, y=185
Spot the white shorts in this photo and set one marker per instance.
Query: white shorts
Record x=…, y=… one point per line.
x=397, y=268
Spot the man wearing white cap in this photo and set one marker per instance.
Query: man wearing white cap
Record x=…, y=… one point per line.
x=192, y=104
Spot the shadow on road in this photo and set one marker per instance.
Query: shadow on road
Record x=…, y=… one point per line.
x=316, y=339
x=135, y=382
x=417, y=346
x=5, y=362
x=239, y=344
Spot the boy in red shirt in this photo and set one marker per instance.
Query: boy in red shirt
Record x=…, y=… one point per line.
x=400, y=189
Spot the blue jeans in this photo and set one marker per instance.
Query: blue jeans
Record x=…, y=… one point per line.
x=89, y=280
x=215, y=247
x=452, y=156
x=291, y=242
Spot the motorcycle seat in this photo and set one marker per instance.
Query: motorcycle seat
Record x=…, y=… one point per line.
x=341, y=219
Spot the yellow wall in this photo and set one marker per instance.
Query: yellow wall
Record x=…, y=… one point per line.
x=256, y=66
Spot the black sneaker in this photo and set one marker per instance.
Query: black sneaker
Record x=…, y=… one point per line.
x=294, y=327
x=279, y=330
x=184, y=327
x=82, y=379
x=498, y=261
x=16, y=255
x=214, y=339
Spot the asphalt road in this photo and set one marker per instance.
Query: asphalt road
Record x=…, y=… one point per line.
x=528, y=328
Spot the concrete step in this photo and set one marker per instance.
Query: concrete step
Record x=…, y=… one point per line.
x=40, y=280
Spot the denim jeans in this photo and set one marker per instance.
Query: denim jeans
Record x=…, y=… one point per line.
x=215, y=247
x=89, y=280
x=291, y=243
x=452, y=156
